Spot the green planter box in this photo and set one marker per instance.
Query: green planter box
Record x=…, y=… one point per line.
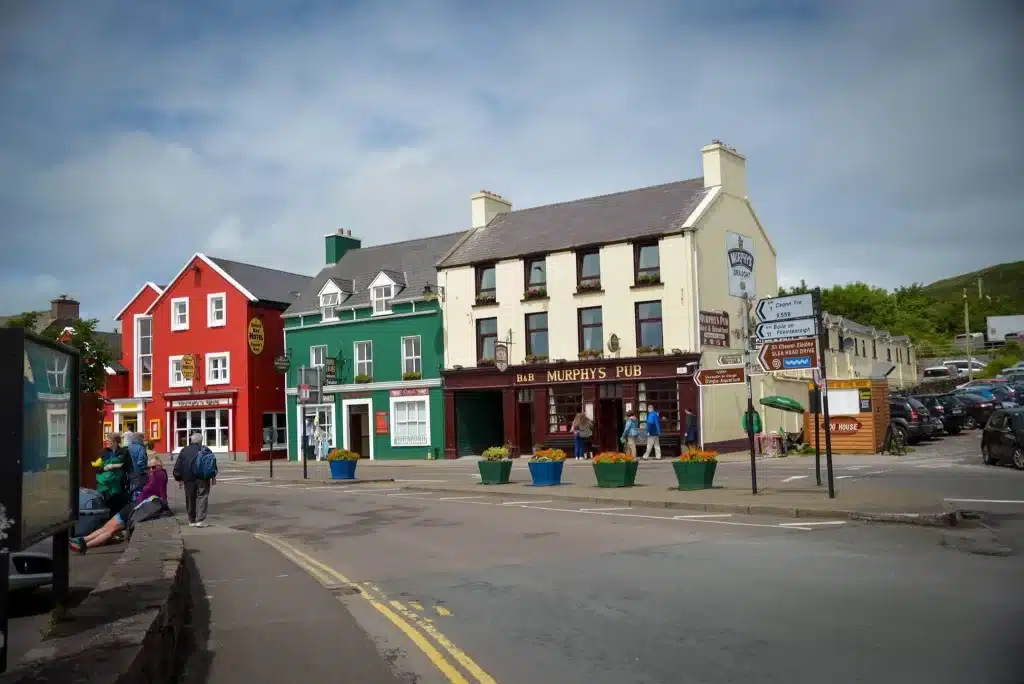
x=615, y=474
x=495, y=472
x=695, y=474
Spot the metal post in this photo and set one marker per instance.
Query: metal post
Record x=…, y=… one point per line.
x=967, y=329
x=5, y=569
x=817, y=434
x=748, y=366
x=822, y=344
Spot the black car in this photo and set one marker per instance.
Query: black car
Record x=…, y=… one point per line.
x=977, y=409
x=1003, y=438
x=911, y=418
x=947, y=409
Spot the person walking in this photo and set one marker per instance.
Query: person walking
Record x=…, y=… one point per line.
x=653, y=432
x=582, y=432
x=630, y=433
x=690, y=424
x=140, y=465
x=194, y=474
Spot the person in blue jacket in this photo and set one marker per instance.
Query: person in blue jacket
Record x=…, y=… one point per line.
x=630, y=433
x=653, y=432
x=139, y=475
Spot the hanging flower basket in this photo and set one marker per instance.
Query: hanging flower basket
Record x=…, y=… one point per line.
x=615, y=469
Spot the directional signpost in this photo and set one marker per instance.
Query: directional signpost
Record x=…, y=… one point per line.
x=720, y=376
x=785, y=308
x=789, y=355
x=787, y=330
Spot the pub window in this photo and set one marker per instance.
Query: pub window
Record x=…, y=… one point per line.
x=665, y=395
x=537, y=335
x=591, y=330
x=536, y=275
x=486, y=337
x=563, y=404
x=646, y=263
x=610, y=390
x=648, y=326
x=588, y=270
x=485, y=283
x=526, y=396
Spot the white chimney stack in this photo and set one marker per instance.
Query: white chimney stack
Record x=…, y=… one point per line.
x=487, y=205
x=726, y=167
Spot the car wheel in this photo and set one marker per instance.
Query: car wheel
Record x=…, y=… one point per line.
x=1018, y=458
x=900, y=434
x=986, y=455
x=970, y=423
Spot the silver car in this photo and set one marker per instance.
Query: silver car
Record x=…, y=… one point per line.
x=29, y=570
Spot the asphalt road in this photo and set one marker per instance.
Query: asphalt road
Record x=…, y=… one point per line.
x=547, y=593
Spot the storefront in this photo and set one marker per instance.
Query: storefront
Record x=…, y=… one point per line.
x=129, y=416
x=212, y=417
x=525, y=406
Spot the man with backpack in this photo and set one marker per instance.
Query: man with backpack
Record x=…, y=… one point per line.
x=139, y=474
x=195, y=471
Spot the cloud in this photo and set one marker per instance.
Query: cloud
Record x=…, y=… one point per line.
x=882, y=138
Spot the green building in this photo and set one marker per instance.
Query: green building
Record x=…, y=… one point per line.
x=367, y=316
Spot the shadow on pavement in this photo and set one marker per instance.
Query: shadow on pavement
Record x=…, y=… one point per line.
x=195, y=656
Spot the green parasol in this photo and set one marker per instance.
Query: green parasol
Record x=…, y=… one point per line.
x=783, y=404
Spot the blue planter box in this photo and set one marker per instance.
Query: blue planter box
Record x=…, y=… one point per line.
x=343, y=470
x=546, y=473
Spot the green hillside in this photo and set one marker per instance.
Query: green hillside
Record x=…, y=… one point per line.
x=1004, y=282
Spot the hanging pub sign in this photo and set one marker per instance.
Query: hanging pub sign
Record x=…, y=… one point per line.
x=257, y=336
x=740, y=256
x=714, y=329
x=501, y=356
x=330, y=370
x=188, y=367
x=282, y=364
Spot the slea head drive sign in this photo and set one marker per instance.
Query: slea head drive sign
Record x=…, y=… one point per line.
x=740, y=255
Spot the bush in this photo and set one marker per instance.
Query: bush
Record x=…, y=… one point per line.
x=613, y=457
x=363, y=379
x=548, y=455
x=342, y=455
x=495, y=453
x=697, y=455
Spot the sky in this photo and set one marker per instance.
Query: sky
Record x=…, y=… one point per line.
x=883, y=139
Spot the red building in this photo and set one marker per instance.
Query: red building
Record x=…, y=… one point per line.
x=198, y=356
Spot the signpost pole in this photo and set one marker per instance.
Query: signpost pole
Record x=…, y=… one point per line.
x=817, y=433
x=5, y=569
x=822, y=345
x=750, y=392
x=302, y=424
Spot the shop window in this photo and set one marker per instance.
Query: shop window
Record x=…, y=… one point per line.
x=646, y=263
x=317, y=356
x=648, y=326
x=179, y=313
x=216, y=310
x=381, y=297
x=537, y=336
x=588, y=270
x=591, y=330
x=410, y=422
x=564, y=402
x=526, y=396
x=218, y=368
x=486, y=284
x=412, y=361
x=143, y=356
x=176, y=377
x=611, y=390
x=486, y=338
x=364, y=358
x=213, y=424
x=276, y=423
x=319, y=416
x=664, y=394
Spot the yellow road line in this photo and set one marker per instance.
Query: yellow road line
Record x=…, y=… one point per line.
x=416, y=605
x=439, y=661
x=441, y=610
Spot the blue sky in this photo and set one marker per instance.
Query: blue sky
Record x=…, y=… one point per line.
x=883, y=138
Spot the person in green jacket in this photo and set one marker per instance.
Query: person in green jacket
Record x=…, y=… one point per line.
x=114, y=464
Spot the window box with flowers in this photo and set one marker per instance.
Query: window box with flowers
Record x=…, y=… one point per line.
x=343, y=464
x=695, y=469
x=485, y=363
x=535, y=293
x=495, y=466
x=653, y=350
x=411, y=375
x=589, y=286
x=363, y=379
x=615, y=469
x=591, y=354
x=486, y=300
x=536, y=358
x=647, y=280
x=546, y=466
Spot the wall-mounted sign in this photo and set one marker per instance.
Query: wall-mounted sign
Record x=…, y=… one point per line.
x=257, y=336
x=789, y=354
x=865, y=400
x=849, y=384
x=154, y=428
x=380, y=422
x=629, y=370
x=330, y=370
x=720, y=376
x=126, y=407
x=739, y=251
x=282, y=364
x=844, y=425
x=188, y=367
x=501, y=356
x=714, y=329
x=409, y=392
x=200, y=403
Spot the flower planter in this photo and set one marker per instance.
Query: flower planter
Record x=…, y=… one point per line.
x=694, y=474
x=343, y=470
x=546, y=473
x=495, y=472
x=616, y=474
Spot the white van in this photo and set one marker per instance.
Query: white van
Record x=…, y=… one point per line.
x=977, y=341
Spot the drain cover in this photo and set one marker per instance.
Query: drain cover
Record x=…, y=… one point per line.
x=345, y=590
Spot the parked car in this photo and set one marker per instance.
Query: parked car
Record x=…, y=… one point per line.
x=977, y=409
x=1005, y=395
x=980, y=390
x=947, y=409
x=30, y=570
x=1003, y=438
x=910, y=418
x=1013, y=375
x=939, y=372
x=980, y=382
x=961, y=366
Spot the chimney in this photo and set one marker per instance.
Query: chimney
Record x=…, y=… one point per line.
x=64, y=307
x=487, y=205
x=726, y=167
x=338, y=244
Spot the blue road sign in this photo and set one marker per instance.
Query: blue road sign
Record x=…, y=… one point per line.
x=797, y=362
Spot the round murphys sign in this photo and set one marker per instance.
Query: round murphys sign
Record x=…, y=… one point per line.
x=257, y=336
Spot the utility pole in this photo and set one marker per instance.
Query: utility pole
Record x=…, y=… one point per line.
x=748, y=366
x=967, y=329
x=822, y=365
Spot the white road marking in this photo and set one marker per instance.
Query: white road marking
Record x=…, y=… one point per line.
x=844, y=477
x=375, y=491
x=695, y=520
x=701, y=516
x=856, y=467
x=459, y=498
x=233, y=479
x=877, y=472
x=408, y=493
x=995, y=501
x=286, y=485
x=815, y=523
x=591, y=510
x=521, y=503
x=795, y=477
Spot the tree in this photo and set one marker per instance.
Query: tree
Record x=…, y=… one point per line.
x=94, y=352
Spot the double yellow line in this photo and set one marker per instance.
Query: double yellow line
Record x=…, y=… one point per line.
x=412, y=625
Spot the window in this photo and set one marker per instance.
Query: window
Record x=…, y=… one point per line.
x=648, y=326
x=411, y=359
x=564, y=402
x=364, y=359
x=536, y=275
x=143, y=355
x=864, y=349
x=276, y=423
x=874, y=349
x=381, y=297
x=646, y=263
x=176, y=377
x=217, y=368
x=664, y=394
x=486, y=337
x=486, y=286
x=888, y=354
x=591, y=330
x=213, y=424
x=179, y=313
x=537, y=335
x=329, y=302
x=997, y=421
x=318, y=356
x=410, y=422
x=57, y=434
x=588, y=270
x=216, y=310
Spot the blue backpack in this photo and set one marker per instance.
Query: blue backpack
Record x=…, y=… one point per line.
x=205, y=465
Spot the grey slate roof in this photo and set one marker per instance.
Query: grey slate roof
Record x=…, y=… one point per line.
x=410, y=264
x=267, y=284
x=646, y=212
x=835, y=321
x=113, y=341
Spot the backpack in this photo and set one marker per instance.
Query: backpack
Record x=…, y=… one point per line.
x=205, y=465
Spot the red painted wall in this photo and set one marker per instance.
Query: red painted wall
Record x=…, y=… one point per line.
x=266, y=385
x=123, y=386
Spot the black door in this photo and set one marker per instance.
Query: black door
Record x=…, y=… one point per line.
x=527, y=430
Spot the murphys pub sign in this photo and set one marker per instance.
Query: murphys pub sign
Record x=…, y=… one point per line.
x=595, y=373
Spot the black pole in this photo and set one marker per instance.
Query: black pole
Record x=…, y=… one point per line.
x=822, y=345
x=817, y=434
x=748, y=367
x=5, y=569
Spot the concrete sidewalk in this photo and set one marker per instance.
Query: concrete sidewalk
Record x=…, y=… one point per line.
x=256, y=617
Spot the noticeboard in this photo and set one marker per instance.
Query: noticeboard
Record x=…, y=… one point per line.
x=39, y=475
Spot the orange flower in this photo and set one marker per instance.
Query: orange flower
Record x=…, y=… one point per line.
x=613, y=457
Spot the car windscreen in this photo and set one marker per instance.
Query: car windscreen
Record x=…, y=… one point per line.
x=915, y=404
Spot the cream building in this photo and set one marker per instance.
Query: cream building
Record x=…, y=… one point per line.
x=860, y=351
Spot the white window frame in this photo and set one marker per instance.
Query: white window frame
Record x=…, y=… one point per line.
x=417, y=359
x=210, y=380
x=422, y=442
x=176, y=325
x=138, y=357
x=380, y=297
x=173, y=429
x=211, y=320
x=313, y=363
x=279, y=423
x=329, y=312
x=332, y=434
x=174, y=371
x=362, y=366
x=50, y=432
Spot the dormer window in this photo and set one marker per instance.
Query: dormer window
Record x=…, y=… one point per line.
x=381, y=297
x=329, y=302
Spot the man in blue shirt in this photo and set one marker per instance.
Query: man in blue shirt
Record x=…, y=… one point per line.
x=653, y=432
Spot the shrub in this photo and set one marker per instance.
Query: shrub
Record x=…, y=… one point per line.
x=536, y=293
x=536, y=358
x=613, y=457
x=411, y=375
x=588, y=287
x=363, y=379
x=542, y=454
x=342, y=455
x=698, y=455
x=495, y=453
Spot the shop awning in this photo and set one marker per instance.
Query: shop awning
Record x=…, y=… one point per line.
x=783, y=404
